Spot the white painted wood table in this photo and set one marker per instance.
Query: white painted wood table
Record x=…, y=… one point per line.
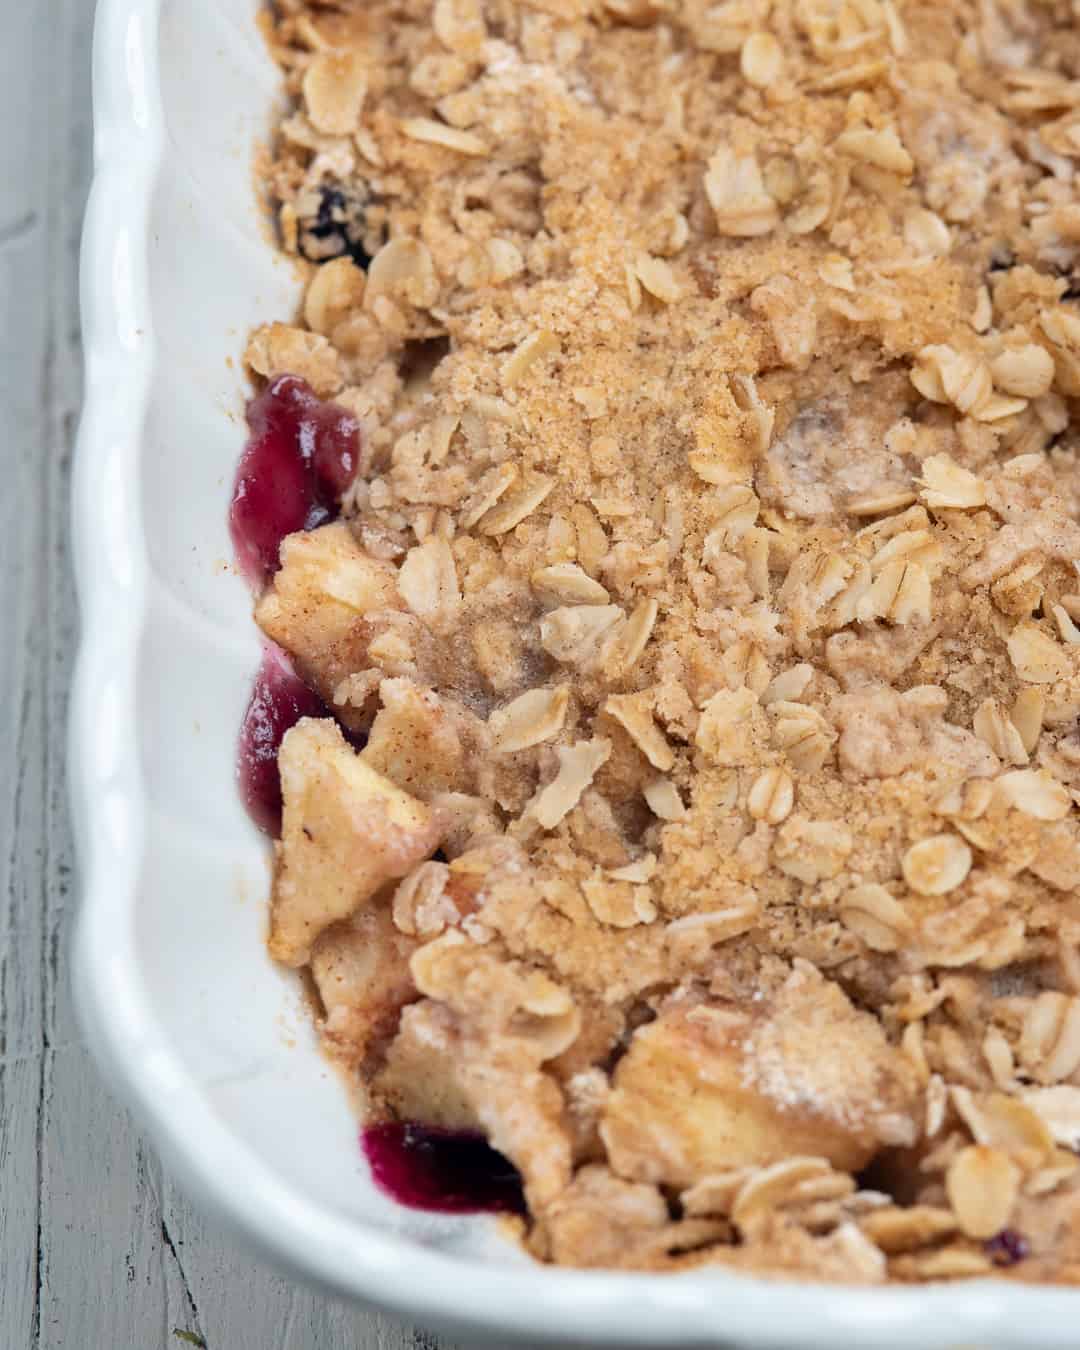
x=98, y=1250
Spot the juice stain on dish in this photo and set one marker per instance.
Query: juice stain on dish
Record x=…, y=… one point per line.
x=450, y=1171
x=301, y=455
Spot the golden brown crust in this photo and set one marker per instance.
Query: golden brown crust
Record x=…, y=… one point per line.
x=718, y=529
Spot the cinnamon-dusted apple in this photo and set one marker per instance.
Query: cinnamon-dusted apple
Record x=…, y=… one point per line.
x=316, y=607
x=708, y=1087
x=360, y=968
x=346, y=832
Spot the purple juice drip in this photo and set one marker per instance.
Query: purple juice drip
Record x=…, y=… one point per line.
x=300, y=457
x=450, y=1171
x=278, y=701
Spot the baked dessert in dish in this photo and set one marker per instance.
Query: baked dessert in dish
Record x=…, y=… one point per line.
x=665, y=512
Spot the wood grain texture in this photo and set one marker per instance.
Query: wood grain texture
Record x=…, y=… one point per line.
x=98, y=1250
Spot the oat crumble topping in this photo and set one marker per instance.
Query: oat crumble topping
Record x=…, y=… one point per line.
x=709, y=596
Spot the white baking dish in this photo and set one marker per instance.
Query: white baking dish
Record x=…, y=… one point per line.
x=202, y=1036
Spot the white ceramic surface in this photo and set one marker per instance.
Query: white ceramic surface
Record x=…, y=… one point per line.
x=199, y=1033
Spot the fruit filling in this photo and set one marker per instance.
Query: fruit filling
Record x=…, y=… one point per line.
x=301, y=456
x=449, y=1171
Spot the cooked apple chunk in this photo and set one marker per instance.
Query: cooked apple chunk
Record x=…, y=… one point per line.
x=316, y=605
x=360, y=968
x=473, y=1054
x=346, y=831
x=424, y=743
x=705, y=1089
x=421, y=1078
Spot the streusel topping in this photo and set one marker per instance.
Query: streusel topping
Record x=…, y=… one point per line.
x=709, y=594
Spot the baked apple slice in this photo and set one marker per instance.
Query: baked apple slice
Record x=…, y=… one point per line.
x=346, y=832
x=707, y=1087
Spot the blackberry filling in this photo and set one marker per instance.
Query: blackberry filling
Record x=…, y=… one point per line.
x=279, y=698
x=302, y=454
x=1007, y=1248
x=450, y=1171
x=336, y=229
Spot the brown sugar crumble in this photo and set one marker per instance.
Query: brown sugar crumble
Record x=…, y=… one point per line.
x=709, y=596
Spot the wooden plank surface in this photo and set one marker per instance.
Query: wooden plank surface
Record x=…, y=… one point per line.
x=98, y=1250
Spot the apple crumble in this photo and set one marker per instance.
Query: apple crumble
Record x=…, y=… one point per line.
x=693, y=805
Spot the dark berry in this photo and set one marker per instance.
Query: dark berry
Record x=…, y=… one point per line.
x=331, y=209
x=301, y=456
x=1007, y=1247
x=337, y=228
x=278, y=701
x=451, y=1171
